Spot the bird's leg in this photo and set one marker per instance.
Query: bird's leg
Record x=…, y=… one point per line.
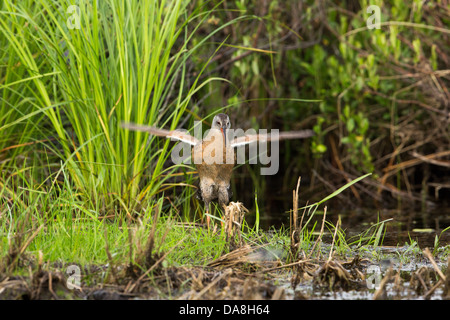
x=224, y=197
x=207, y=188
x=208, y=218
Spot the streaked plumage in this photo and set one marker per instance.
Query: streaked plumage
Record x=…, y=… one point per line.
x=215, y=177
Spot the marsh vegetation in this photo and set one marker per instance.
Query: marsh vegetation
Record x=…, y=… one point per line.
x=89, y=210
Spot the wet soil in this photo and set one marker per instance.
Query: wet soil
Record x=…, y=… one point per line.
x=401, y=267
x=248, y=272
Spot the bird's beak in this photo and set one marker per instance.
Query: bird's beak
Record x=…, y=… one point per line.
x=224, y=132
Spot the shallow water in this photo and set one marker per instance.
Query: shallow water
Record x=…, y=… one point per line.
x=402, y=264
x=403, y=227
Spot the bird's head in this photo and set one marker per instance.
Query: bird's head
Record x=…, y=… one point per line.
x=221, y=122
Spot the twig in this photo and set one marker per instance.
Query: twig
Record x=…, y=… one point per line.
x=334, y=236
x=210, y=285
x=413, y=162
x=154, y=266
x=300, y=226
x=321, y=231
x=108, y=254
x=285, y=265
x=50, y=286
x=433, y=288
x=295, y=210
x=428, y=254
x=27, y=243
x=421, y=281
x=432, y=161
x=379, y=294
x=398, y=23
x=341, y=167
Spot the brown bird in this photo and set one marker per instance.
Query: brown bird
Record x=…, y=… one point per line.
x=215, y=169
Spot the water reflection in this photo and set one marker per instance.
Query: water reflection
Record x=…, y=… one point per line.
x=405, y=225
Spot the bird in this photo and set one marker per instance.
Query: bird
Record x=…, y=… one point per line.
x=215, y=169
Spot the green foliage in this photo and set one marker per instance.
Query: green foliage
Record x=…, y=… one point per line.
x=65, y=161
x=356, y=72
x=92, y=78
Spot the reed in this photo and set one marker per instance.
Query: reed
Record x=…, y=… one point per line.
x=88, y=69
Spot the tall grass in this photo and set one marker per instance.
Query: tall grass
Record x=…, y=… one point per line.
x=18, y=116
x=65, y=92
x=125, y=62
x=69, y=232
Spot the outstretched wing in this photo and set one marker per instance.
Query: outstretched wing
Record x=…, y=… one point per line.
x=174, y=134
x=247, y=139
